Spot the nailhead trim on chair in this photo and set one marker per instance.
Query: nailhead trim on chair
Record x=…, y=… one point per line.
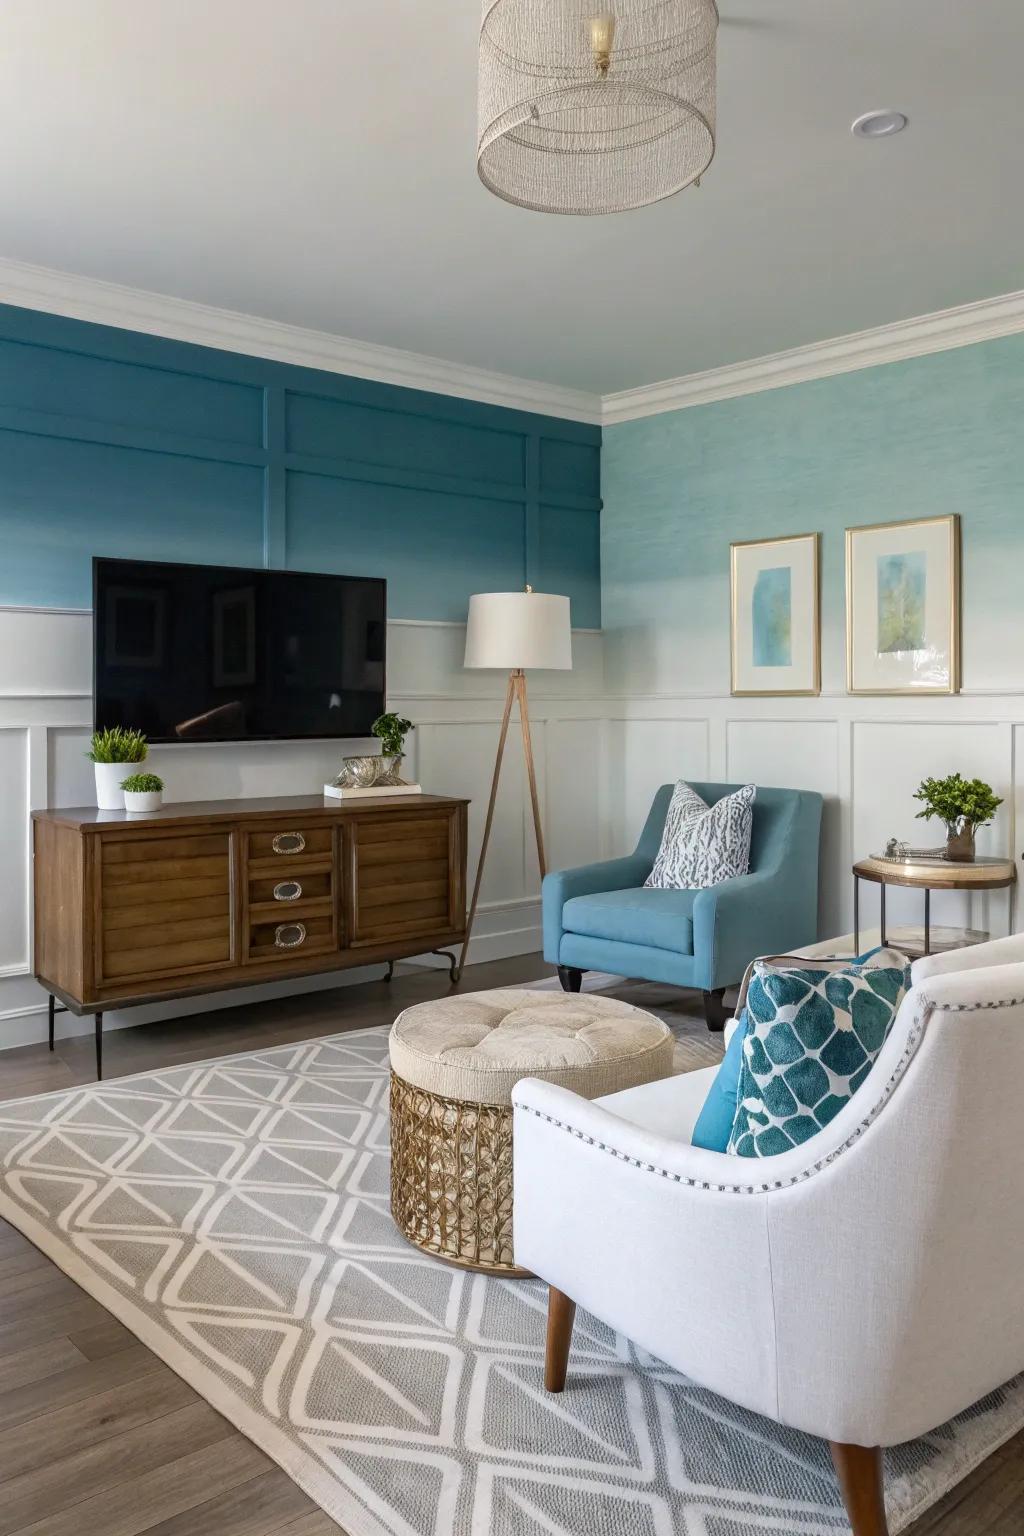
x=920, y=1023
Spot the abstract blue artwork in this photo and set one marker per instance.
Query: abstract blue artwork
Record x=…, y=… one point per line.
x=772, y=617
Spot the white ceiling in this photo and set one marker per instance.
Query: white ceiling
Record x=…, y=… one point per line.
x=312, y=161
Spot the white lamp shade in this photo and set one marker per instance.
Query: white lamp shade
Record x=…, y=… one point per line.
x=507, y=630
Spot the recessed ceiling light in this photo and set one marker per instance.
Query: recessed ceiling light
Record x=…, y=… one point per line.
x=878, y=125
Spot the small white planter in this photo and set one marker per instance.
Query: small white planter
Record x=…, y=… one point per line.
x=109, y=794
x=139, y=802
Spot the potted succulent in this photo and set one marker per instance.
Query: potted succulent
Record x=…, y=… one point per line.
x=391, y=731
x=113, y=750
x=963, y=805
x=142, y=792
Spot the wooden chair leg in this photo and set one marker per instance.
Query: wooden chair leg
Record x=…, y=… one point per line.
x=859, y=1470
x=571, y=979
x=561, y=1312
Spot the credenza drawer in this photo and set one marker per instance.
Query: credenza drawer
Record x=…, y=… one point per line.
x=291, y=937
x=286, y=887
x=289, y=842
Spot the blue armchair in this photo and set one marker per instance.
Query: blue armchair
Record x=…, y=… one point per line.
x=601, y=916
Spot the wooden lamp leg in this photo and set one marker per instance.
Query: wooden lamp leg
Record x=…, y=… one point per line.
x=859, y=1470
x=524, y=720
x=561, y=1314
x=510, y=694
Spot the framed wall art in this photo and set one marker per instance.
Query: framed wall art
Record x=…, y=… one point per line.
x=903, y=607
x=775, y=633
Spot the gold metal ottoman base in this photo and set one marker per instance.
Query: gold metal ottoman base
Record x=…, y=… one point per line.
x=451, y=1178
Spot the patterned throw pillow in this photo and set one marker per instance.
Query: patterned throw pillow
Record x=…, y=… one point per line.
x=702, y=845
x=813, y=1034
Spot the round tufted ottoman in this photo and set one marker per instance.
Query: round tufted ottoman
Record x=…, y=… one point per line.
x=454, y=1063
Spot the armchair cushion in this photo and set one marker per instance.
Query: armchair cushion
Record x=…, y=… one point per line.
x=813, y=1034
x=718, y=1114
x=703, y=845
x=662, y=919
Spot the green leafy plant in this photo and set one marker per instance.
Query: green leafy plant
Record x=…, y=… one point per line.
x=961, y=803
x=392, y=730
x=142, y=783
x=116, y=744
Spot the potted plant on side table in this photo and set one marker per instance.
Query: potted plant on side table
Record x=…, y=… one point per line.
x=143, y=792
x=113, y=751
x=963, y=805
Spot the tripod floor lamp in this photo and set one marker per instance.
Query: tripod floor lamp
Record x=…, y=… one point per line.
x=515, y=631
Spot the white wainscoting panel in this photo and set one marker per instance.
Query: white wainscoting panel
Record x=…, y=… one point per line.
x=600, y=759
x=889, y=761
x=45, y=718
x=643, y=753
x=14, y=925
x=796, y=754
x=572, y=774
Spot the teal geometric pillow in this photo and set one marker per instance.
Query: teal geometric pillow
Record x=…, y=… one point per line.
x=813, y=1034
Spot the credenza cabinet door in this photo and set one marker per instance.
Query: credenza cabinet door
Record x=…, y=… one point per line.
x=164, y=905
x=405, y=877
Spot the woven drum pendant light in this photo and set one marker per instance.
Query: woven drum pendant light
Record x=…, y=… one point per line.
x=584, y=110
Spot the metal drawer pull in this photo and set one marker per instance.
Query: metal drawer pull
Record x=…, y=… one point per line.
x=284, y=929
x=288, y=842
x=288, y=890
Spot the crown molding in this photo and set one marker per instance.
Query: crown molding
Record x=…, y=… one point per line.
x=135, y=309
x=961, y=327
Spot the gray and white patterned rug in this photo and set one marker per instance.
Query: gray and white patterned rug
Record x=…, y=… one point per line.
x=234, y=1215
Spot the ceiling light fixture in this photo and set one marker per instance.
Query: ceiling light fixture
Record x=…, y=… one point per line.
x=590, y=111
x=878, y=125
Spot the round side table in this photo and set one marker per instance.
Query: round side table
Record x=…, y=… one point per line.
x=928, y=874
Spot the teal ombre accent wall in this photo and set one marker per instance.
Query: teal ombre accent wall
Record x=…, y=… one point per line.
x=921, y=438
x=116, y=443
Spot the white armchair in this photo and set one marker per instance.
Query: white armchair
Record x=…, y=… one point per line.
x=864, y=1287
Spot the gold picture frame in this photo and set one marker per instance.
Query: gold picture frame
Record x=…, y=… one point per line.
x=804, y=604
x=932, y=664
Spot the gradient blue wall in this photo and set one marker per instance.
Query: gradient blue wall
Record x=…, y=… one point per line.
x=116, y=443
x=921, y=438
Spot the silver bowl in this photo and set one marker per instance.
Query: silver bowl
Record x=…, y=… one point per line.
x=371, y=772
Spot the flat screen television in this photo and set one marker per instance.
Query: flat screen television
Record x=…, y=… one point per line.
x=219, y=653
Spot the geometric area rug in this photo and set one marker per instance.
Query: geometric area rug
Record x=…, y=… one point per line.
x=234, y=1215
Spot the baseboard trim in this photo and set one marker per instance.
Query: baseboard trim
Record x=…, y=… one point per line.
x=27, y=1025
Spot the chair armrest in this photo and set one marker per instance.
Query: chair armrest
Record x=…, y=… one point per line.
x=650, y=1235
x=749, y=915
x=997, y=952
x=563, y=884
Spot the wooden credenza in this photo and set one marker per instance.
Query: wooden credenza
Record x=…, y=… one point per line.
x=227, y=893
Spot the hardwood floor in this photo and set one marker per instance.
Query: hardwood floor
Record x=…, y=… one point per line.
x=99, y=1438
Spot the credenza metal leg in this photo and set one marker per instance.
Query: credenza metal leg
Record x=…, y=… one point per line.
x=99, y=1047
x=53, y=1009
x=454, y=969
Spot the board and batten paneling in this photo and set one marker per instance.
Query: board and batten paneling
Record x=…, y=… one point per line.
x=889, y=761
x=796, y=754
x=121, y=444
x=642, y=753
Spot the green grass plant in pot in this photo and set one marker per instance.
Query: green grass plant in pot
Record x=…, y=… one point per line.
x=143, y=793
x=114, y=751
x=963, y=805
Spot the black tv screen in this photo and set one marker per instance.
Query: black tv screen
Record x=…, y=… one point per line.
x=218, y=653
